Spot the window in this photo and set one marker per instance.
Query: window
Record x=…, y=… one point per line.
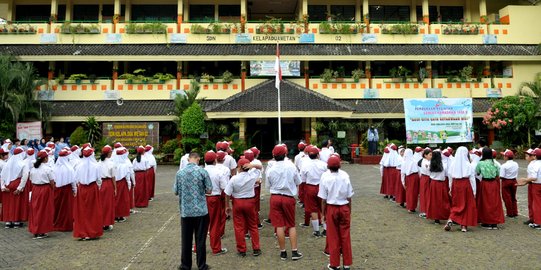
x=61, y=16
x=317, y=13
x=433, y=14
x=154, y=13
x=86, y=12
x=33, y=12
x=109, y=10
x=202, y=13
x=343, y=13
x=452, y=14
x=390, y=13
x=229, y=13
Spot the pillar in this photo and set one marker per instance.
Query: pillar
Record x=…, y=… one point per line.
x=186, y=11
x=368, y=74
x=127, y=13
x=180, y=8
x=100, y=8
x=413, y=11
x=116, y=17
x=366, y=15
x=467, y=11
x=50, y=73
x=426, y=13
x=429, y=73
x=483, y=11
x=54, y=9
x=486, y=69
x=358, y=11
x=243, y=76
x=243, y=15
x=216, y=12
x=306, y=75
x=10, y=9
x=69, y=10
x=179, y=74
x=115, y=74
x=304, y=7
x=242, y=129
x=306, y=129
x=313, y=131
x=491, y=136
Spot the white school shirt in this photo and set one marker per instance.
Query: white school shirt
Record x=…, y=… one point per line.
x=299, y=159
x=259, y=172
x=438, y=176
x=218, y=178
x=283, y=178
x=242, y=185
x=226, y=171
x=534, y=171
x=425, y=165
x=509, y=170
x=2, y=164
x=143, y=165
x=107, y=168
x=335, y=188
x=184, y=161
x=312, y=170
x=230, y=162
x=42, y=175
x=325, y=154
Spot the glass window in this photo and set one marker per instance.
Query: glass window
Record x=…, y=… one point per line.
x=433, y=14
x=229, y=12
x=61, y=13
x=452, y=14
x=202, y=13
x=390, y=13
x=154, y=13
x=343, y=12
x=32, y=13
x=109, y=10
x=317, y=13
x=86, y=12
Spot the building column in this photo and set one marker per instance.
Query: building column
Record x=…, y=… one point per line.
x=306, y=129
x=10, y=9
x=413, y=11
x=186, y=11
x=491, y=135
x=467, y=11
x=313, y=131
x=180, y=8
x=54, y=10
x=116, y=16
x=486, y=69
x=306, y=74
x=243, y=15
x=368, y=74
x=358, y=11
x=127, y=12
x=243, y=76
x=426, y=12
x=366, y=15
x=115, y=74
x=429, y=73
x=50, y=72
x=69, y=10
x=179, y=74
x=242, y=129
x=483, y=11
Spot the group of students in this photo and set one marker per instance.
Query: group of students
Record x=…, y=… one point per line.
x=464, y=188
x=314, y=176
x=74, y=192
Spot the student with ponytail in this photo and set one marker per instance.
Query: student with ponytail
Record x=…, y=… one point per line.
x=140, y=167
x=42, y=201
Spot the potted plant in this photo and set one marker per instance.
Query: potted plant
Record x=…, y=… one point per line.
x=128, y=77
x=339, y=74
x=77, y=78
x=207, y=77
x=198, y=29
x=92, y=78
x=61, y=77
x=162, y=78
x=357, y=74
x=465, y=74
x=227, y=77
x=327, y=75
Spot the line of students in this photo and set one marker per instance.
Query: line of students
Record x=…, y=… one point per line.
x=465, y=189
x=76, y=193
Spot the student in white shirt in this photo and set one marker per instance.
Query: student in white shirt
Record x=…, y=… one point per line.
x=439, y=204
x=108, y=187
x=140, y=167
x=252, y=154
x=336, y=191
x=124, y=177
x=508, y=175
x=424, y=181
x=229, y=161
x=41, y=204
x=311, y=172
x=410, y=180
x=298, y=163
x=64, y=192
x=13, y=182
x=214, y=203
x=325, y=152
x=529, y=156
x=534, y=180
x=151, y=172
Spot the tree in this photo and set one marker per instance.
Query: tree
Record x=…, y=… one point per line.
x=92, y=129
x=182, y=102
x=511, y=116
x=531, y=89
x=192, y=126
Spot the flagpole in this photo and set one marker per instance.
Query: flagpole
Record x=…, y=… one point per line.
x=279, y=118
x=277, y=85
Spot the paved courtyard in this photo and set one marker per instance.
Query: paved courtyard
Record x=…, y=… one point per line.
x=384, y=236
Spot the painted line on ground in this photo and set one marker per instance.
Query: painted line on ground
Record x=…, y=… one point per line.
x=148, y=242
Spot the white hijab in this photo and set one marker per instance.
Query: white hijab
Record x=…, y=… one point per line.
x=123, y=166
x=64, y=172
x=410, y=165
x=88, y=171
x=13, y=168
x=461, y=167
x=393, y=160
x=384, y=158
x=151, y=159
x=30, y=160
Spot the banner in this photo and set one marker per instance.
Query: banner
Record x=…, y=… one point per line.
x=132, y=134
x=438, y=120
x=29, y=130
x=266, y=68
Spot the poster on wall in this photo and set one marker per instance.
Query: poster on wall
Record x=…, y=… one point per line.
x=438, y=120
x=132, y=134
x=266, y=68
x=29, y=130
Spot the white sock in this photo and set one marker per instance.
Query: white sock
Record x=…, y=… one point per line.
x=324, y=226
x=315, y=225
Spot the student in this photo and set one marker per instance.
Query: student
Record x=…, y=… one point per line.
x=140, y=167
x=229, y=161
x=533, y=180
x=336, y=192
x=240, y=189
x=214, y=204
x=529, y=156
x=3, y=158
x=393, y=174
x=325, y=152
x=13, y=181
x=220, y=158
x=410, y=180
x=489, y=201
x=424, y=181
x=87, y=213
x=123, y=177
x=108, y=189
x=384, y=174
x=311, y=174
x=64, y=192
x=298, y=163
x=42, y=203
x=463, y=188
x=258, y=183
x=438, y=206
x=508, y=175
x=400, y=191
x=151, y=173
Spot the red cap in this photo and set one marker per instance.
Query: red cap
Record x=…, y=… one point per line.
x=508, y=153
x=450, y=149
x=242, y=162
x=88, y=152
x=121, y=151
x=446, y=153
x=313, y=150
x=418, y=149
x=529, y=151
x=30, y=151
x=74, y=148
x=51, y=145
x=220, y=155
x=301, y=146
x=140, y=150
x=148, y=148
x=2, y=151
x=334, y=161
x=117, y=145
x=386, y=150
x=255, y=150
x=210, y=156
x=428, y=148
x=537, y=152
x=249, y=155
x=494, y=153
x=279, y=150
x=393, y=146
x=18, y=150
x=63, y=153
x=475, y=152
x=42, y=154
x=86, y=145
x=106, y=150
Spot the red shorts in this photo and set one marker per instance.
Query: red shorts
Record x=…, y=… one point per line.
x=312, y=203
x=282, y=211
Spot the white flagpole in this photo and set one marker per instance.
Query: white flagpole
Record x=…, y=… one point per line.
x=277, y=84
x=279, y=119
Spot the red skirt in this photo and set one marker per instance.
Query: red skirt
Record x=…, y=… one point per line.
x=412, y=191
x=536, y=202
x=132, y=197
x=107, y=200
x=14, y=207
x=63, y=205
x=400, y=192
x=42, y=209
x=151, y=182
x=489, y=202
x=87, y=213
x=424, y=192
x=141, y=192
x=122, y=199
x=393, y=175
x=439, y=204
x=463, y=207
x=383, y=186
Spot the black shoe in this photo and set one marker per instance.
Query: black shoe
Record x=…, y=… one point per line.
x=221, y=252
x=304, y=225
x=257, y=252
x=448, y=226
x=267, y=220
x=247, y=236
x=437, y=221
x=296, y=255
x=9, y=225
x=260, y=226
x=18, y=225
x=324, y=233
x=385, y=197
x=329, y=267
x=527, y=222
x=411, y=211
x=283, y=255
x=403, y=205
x=316, y=234
x=327, y=254
x=242, y=254
x=122, y=219
x=486, y=226
x=346, y=267
x=151, y=199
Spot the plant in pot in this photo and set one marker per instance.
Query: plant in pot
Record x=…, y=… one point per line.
x=94, y=29
x=357, y=74
x=61, y=77
x=162, y=78
x=339, y=74
x=92, y=78
x=77, y=78
x=327, y=75
x=227, y=77
x=465, y=74
x=198, y=29
x=207, y=77
x=128, y=77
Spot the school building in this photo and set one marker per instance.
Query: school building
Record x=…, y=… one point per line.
x=355, y=60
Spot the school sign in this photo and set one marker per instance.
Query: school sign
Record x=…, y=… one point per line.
x=438, y=120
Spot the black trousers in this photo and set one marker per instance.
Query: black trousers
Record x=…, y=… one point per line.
x=372, y=147
x=189, y=226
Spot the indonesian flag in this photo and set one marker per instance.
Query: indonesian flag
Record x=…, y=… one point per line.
x=277, y=68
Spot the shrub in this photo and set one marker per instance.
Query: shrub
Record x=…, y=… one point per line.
x=78, y=136
x=170, y=146
x=178, y=153
x=193, y=121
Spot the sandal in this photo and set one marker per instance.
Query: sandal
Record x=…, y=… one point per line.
x=463, y=229
x=448, y=226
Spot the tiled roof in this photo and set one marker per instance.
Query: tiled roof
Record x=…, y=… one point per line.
x=376, y=106
x=269, y=49
x=110, y=108
x=264, y=98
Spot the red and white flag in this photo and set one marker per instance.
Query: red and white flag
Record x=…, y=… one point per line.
x=277, y=68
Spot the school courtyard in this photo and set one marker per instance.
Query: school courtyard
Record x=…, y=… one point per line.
x=383, y=235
